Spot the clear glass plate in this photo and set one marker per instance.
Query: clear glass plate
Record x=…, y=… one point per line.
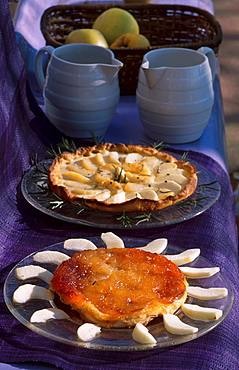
x=115, y=339
x=35, y=190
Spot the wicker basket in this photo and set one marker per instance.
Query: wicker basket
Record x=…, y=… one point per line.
x=163, y=25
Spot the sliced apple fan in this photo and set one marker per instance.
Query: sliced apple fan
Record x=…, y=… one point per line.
x=140, y=333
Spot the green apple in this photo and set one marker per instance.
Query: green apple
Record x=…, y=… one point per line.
x=87, y=36
x=131, y=40
x=115, y=22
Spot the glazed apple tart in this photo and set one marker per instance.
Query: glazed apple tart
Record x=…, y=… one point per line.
x=118, y=177
x=120, y=287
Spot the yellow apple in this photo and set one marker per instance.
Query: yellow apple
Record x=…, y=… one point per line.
x=115, y=22
x=87, y=36
x=130, y=40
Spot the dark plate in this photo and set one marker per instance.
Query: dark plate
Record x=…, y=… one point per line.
x=35, y=190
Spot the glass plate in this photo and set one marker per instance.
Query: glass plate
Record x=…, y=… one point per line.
x=35, y=190
x=115, y=339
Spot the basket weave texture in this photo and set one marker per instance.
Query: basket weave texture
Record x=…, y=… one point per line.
x=163, y=25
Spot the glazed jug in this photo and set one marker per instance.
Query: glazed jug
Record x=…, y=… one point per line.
x=80, y=87
x=175, y=93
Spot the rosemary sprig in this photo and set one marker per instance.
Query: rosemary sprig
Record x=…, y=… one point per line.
x=65, y=145
x=129, y=222
x=192, y=202
x=184, y=157
x=51, y=153
x=125, y=220
x=159, y=145
x=118, y=175
x=146, y=217
x=96, y=139
x=203, y=187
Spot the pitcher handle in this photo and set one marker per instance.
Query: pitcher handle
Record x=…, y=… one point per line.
x=211, y=58
x=39, y=70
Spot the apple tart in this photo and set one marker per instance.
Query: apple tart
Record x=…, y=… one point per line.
x=118, y=177
x=120, y=287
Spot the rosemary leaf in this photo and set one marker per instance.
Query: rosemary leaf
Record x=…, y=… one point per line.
x=125, y=220
x=68, y=146
x=159, y=145
x=97, y=139
x=192, y=202
x=203, y=187
x=65, y=145
x=184, y=157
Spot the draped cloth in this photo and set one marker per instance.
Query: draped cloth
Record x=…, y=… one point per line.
x=25, y=131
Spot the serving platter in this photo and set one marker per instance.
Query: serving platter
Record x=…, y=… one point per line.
x=34, y=187
x=65, y=330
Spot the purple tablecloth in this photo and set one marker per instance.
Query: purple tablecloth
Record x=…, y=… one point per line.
x=24, y=132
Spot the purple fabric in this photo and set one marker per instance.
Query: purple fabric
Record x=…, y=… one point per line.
x=25, y=131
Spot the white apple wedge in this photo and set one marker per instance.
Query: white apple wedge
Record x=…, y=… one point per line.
x=141, y=335
x=156, y=246
x=206, y=294
x=196, y=272
x=133, y=158
x=87, y=332
x=42, y=316
x=79, y=244
x=32, y=271
x=184, y=257
x=174, y=325
x=50, y=257
x=112, y=241
x=27, y=292
x=201, y=313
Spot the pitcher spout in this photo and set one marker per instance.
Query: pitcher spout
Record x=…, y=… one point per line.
x=152, y=75
x=110, y=71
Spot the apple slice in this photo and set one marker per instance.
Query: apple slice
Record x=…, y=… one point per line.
x=184, y=257
x=87, y=332
x=174, y=325
x=50, y=257
x=201, y=313
x=141, y=335
x=206, y=294
x=79, y=244
x=133, y=158
x=156, y=246
x=112, y=241
x=196, y=272
x=32, y=271
x=27, y=292
x=42, y=316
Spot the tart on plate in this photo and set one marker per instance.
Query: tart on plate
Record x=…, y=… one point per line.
x=118, y=177
x=120, y=287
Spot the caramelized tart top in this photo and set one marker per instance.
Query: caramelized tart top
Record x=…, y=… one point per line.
x=119, y=287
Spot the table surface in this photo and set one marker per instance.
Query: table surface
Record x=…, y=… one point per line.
x=127, y=124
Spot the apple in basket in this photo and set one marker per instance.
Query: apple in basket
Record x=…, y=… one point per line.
x=115, y=22
x=131, y=40
x=88, y=36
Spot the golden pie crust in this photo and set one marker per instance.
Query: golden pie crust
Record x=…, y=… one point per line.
x=119, y=287
x=118, y=177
